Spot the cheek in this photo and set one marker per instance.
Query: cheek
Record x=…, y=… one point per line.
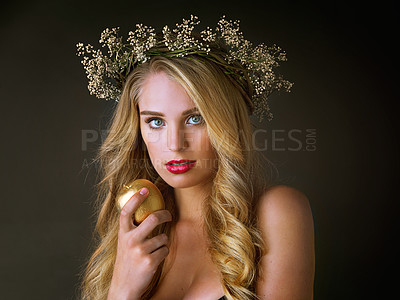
x=153, y=142
x=151, y=137
x=154, y=154
x=206, y=146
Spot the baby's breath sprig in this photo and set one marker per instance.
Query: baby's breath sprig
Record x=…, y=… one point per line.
x=224, y=46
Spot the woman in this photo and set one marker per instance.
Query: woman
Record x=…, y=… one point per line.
x=183, y=123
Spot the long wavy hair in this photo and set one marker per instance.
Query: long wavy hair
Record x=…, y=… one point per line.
x=230, y=217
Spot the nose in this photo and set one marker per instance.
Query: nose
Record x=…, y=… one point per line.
x=176, y=139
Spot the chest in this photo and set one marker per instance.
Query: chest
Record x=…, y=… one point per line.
x=189, y=272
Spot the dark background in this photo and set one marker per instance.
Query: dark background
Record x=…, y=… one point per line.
x=342, y=58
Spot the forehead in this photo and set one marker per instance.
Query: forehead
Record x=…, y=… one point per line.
x=160, y=93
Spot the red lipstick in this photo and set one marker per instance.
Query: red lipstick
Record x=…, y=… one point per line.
x=180, y=166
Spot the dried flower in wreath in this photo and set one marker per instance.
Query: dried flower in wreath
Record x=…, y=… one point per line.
x=252, y=69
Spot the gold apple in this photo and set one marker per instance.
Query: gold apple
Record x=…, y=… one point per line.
x=153, y=202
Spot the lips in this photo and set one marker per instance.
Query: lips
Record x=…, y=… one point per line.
x=180, y=166
x=178, y=162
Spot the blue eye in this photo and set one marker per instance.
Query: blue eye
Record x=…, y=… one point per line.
x=154, y=123
x=157, y=123
x=196, y=119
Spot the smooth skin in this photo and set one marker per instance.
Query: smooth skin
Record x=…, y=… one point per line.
x=284, y=216
x=286, y=224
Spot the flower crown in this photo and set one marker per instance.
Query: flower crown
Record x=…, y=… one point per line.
x=251, y=69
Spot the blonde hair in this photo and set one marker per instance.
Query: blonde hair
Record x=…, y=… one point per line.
x=230, y=220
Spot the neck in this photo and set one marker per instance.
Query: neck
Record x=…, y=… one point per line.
x=189, y=202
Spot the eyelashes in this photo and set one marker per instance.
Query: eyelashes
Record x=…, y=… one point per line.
x=158, y=123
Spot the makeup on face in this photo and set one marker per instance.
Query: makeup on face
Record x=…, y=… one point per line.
x=175, y=133
x=180, y=166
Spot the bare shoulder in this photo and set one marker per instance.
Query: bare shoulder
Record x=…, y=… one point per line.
x=286, y=224
x=283, y=200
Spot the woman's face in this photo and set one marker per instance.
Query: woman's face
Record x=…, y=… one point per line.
x=175, y=133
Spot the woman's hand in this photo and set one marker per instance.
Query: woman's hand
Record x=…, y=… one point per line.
x=137, y=256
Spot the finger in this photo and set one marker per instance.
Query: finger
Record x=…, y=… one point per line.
x=152, y=221
x=160, y=254
x=156, y=242
x=125, y=219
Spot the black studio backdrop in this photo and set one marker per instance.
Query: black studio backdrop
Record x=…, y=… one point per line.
x=333, y=136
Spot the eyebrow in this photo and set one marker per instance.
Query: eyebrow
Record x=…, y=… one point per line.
x=156, y=113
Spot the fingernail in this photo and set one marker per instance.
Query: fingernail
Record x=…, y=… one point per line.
x=143, y=191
